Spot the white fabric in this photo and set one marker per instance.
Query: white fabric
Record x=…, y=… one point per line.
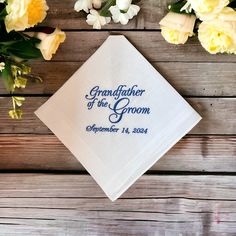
x=115, y=159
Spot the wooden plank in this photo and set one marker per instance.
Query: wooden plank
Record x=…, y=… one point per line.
x=190, y=79
x=209, y=187
x=79, y=46
x=46, y=152
x=62, y=14
x=218, y=116
x=75, y=205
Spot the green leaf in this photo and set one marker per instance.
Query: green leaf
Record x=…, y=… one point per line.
x=24, y=49
x=34, y=40
x=177, y=6
x=3, y=13
x=105, y=9
x=7, y=77
x=20, y=45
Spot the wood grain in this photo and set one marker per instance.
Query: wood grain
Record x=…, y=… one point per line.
x=218, y=116
x=46, y=152
x=202, y=203
x=62, y=14
x=189, y=79
x=155, y=205
x=79, y=46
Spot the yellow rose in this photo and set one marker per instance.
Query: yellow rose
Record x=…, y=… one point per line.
x=219, y=35
x=50, y=42
x=176, y=28
x=23, y=14
x=207, y=9
x=227, y=14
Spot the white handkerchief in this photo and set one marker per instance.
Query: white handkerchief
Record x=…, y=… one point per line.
x=117, y=115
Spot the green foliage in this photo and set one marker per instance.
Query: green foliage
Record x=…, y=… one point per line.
x=105, y=8
x=3, y=11
x=24, y=49
x=15, y=75
x=177, y=6
x=7, y=77
x=19, y=45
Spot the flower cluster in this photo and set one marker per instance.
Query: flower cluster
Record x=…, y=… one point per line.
x=216, y=29
x=18, y=45
x=101, y=12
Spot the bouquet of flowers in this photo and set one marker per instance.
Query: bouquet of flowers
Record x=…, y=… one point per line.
x=216, y=24
x=100, y=12
x=17, y=45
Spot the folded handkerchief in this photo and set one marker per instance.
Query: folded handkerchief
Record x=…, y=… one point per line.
x=117, y=115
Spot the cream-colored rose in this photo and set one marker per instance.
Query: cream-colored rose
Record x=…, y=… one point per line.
x=207, y=9
x=23, y=14
x=219, y=35
x=176, y=28
x=227, y=14
x=50, y=43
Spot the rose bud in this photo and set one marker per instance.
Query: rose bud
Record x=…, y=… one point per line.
x=176, y=28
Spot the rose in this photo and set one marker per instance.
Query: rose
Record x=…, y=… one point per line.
x=22, y=14
x=50, y=42
x=219, y=34
x=207, y=9
x=176, y=28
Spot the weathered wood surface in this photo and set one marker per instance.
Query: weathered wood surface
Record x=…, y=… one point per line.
x=79, y=46
x=158, y=204
x=154, y=205
x=190, y=79
x=62, y=14
x=218, y=113
x=46, y=152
